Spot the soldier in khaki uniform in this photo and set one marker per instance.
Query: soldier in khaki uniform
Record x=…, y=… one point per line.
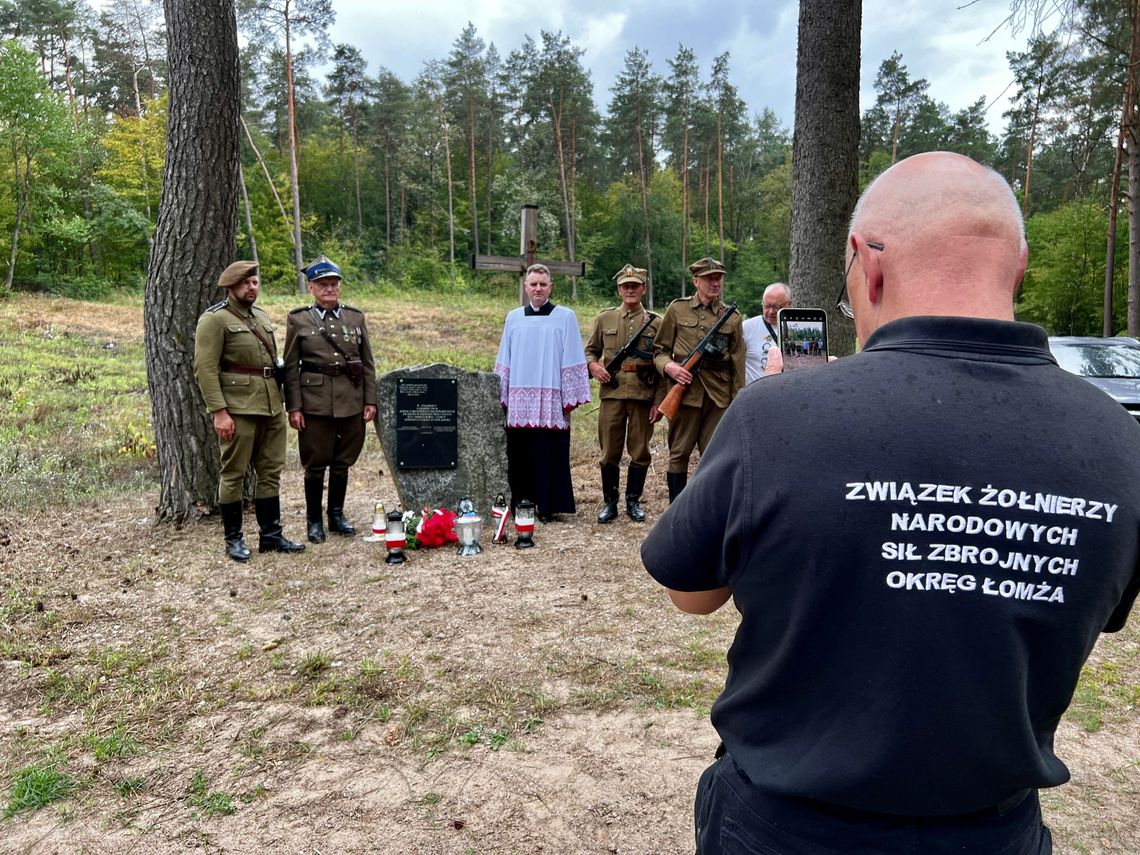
x=236, y=366
x=716, y=382
x=330, y=392
x=628, y=409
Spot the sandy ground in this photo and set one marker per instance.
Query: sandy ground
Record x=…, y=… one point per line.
x=567, y=651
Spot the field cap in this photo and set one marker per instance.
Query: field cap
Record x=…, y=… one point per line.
x=706, y=267
x=321, y=268
x=237, y=273
x=629, y=273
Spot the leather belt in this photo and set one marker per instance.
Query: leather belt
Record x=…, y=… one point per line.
x=632, y=367
x=334, y=370
x=265, y=371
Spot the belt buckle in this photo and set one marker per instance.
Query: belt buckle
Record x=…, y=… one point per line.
x=266, y=372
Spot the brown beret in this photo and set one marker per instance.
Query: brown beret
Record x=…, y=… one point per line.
x=629, y=273
x=706, y=267
x=236, y=273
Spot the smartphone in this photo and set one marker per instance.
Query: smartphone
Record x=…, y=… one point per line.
x=803, y=337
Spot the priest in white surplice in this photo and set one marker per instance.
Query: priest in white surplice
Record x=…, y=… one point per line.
x=542, y=378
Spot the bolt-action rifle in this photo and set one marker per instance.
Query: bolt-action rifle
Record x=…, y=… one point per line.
x=705, y=347
x=628, y=349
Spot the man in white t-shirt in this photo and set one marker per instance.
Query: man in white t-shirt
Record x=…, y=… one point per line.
x=760, y=332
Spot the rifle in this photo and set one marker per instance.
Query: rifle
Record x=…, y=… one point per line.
x=704, y=347
x=627, y=350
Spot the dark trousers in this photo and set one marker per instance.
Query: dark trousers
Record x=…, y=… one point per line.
x=330, y=442
x=538, y=468
x=735, y=818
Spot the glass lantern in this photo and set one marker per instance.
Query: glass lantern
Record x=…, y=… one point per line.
x=524, y=524
x=500, y=513
x=395, y=539
x=379, y=523
x=468, y=526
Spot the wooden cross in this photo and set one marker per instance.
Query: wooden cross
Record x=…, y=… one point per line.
x=528, y=250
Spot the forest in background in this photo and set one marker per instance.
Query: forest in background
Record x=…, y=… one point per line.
x=402, y=180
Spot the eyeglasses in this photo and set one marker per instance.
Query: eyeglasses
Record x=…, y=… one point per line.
x=843, y=303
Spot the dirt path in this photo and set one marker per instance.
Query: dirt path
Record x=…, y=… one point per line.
x=547, y=700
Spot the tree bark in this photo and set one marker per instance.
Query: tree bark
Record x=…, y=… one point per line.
x=248, y=213
x=825, y=156
x=1113, y=212
x=194, y=239
x=298, y=256
x=645, y=214
x=685, y=203
x=21, y=208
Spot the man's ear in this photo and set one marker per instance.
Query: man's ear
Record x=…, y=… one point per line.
x=871, y=270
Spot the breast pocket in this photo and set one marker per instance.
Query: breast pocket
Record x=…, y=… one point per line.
x=242, y=345
x=610, y=340
x=686, y=338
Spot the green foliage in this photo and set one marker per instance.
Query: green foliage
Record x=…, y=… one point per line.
x=1064, y=284
x=214, y=803
x=33, y=787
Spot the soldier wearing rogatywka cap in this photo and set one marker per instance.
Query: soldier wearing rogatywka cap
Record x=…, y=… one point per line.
x=628, y=395
x=709, y=390
x=330, y=392
x=237, y=369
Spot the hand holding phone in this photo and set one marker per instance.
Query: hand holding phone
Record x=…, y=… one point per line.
x=803, y=337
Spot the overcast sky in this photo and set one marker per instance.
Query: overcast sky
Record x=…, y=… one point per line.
x=938, y=40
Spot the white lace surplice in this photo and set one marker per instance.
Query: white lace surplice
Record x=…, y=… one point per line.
x=542, y=368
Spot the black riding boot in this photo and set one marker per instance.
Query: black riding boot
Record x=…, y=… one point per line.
x=611, y=475
x=634, y=484
x=338, y=486
x=269, y=521
x=235, y=540
x=314, y=493
x=676, y=482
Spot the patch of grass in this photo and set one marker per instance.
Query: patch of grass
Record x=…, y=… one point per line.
x=212, y=802
x=129, y=787
x=117, y=743
x=314, y=663
x=35, y=786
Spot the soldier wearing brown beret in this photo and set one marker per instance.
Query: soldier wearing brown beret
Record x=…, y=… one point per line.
x=627, y=409
x=330, y=392
x=710, y=390
x=236, y=366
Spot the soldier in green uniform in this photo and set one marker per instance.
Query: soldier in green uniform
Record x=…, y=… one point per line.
x=236, y=366
x=627, y=410
x=712, y=387
x=330, y=392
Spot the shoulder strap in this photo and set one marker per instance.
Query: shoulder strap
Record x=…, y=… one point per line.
x=270, y=350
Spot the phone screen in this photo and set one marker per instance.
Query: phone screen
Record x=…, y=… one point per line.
x=803, y=337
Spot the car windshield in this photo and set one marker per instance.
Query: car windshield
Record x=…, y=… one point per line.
x=1099, y=360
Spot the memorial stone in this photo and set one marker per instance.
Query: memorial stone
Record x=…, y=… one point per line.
x=442, y=431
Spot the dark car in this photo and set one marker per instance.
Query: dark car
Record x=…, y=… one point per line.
x=1111, y=364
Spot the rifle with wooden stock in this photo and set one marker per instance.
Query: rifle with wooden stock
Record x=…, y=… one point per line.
x=705, y=347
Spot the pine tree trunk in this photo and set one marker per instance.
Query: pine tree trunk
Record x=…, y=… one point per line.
x=685, y=203
x=194, y=240
x=645, y=215
x=471, y=177
x=21, y=208
x=248, y=213
x=1113, y=212
x=825, y=158
x=298, y=255
x=1029, y=154
x=719, y=188
x=490, y=174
